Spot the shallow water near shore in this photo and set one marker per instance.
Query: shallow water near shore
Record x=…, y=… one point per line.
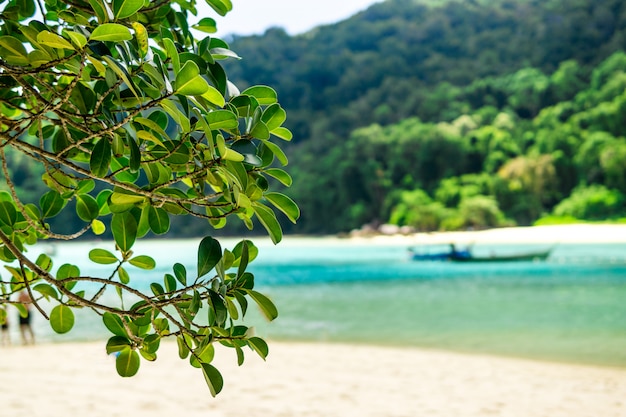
x=568, y=308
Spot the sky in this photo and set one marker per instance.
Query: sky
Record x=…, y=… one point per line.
x=251, y=17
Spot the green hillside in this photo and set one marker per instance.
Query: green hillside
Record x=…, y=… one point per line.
x=465, y=114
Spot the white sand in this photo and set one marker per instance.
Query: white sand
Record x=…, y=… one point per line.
x=305, y=380
x=550, y=235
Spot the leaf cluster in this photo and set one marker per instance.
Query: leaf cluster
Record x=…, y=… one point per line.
x=134, y=121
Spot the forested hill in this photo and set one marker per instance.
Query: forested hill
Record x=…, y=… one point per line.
x=472, y=113
x=381, y=64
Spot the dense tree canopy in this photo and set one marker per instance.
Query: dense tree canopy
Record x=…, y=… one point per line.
x=512, y=89
x=123, y=118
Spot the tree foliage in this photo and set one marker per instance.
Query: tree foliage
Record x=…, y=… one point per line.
x=131, y=122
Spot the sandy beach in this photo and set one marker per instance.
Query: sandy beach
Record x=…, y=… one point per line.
x=298, y=379
x=322, y=379
x=556, y=234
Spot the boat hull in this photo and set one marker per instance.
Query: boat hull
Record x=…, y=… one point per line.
x=535, y=256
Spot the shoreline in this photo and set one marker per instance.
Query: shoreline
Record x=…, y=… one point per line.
x=306, y=379
x=549, y=235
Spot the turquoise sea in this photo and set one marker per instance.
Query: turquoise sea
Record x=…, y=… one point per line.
x=571, y=307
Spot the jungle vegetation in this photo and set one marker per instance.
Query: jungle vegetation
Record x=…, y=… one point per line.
x=449, y=115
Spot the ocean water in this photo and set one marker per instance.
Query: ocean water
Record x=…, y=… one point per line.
x=571, y=307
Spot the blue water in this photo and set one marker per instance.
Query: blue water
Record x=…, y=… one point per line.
x=571, y=307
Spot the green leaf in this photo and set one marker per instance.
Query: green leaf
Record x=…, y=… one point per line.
x=143, y=262
x=151, y=124
x=135, y=155
x=230, y=155
x=214, y=96
x=213, y=378
x=44, y=262
x=223, y=53
x=157, y=289
x=84, y=98
x=53, y=40
x=143, y=226
x=209, y=254
x=264, y=94
x=126, y=8
x=176, y=153
x=99, y=10
x=102, y=256
x=122, y=73
x=159, y=220
x=274, y=116
x=282, y=176
x=176, y=114
x=221, y=313
x=77, y=38
x=46, y=290
x=151, y=343
x=172, y=53
x=85, y=186
x=51, y=204
x=122, y=197
x=68, y=271
x=259, y=346
x=189, y=82
x=87, y=207
x=207, y=25
x=220, y=6
x=37, y=58
x=8, y=213
x=123, y=275
x=127, y=362
x=203, y=354
x=183, y=346
x=268, y=219
x=181, y=273
x=124, y=228
x=283, y=133
x=117, y=344
x=61, y=319
x=170, y=283
x=284, y=204
x=260, y=130
x=26, y=7
x=244, y=259
x=100, y=158
x=13, y=47
x=222, y=119
x=103, y=201
x=253, y=251
x=265, y=304
x=280, y=155
x=114, y=324
x=111, y=32
x=32, y=211
x=240, y=357
x=98, y=227
x=149, y=356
